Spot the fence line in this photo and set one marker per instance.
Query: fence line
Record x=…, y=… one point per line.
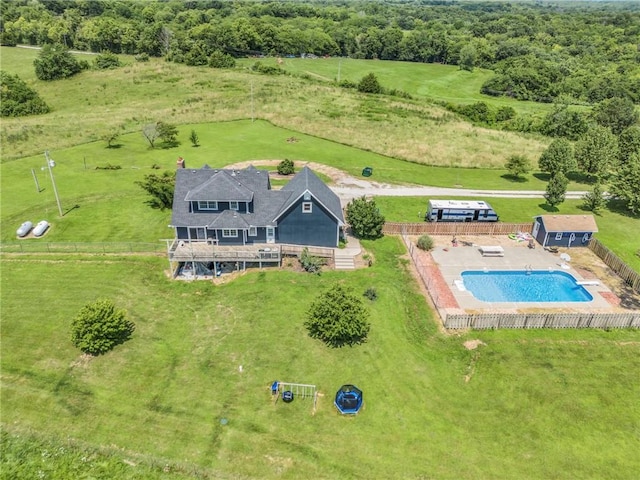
x=423, y=273
x=82, y=247
x=455, y=228
x=296, y=250
x=624, y=271
x=481, y=321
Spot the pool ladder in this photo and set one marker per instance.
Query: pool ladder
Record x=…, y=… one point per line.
x=528, y=268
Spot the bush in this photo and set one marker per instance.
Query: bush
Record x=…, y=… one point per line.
x=285, y=167
x=369, y=84
x=99, y=327
x=55, y=62
x=371, y=294
x=142, y=57
x=310, y=263
x=106, y=61
x=221, y=60
x=338, y=318
x=18, y=99
x=425, y=242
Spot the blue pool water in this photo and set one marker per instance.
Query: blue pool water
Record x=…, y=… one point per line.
x=524, y=286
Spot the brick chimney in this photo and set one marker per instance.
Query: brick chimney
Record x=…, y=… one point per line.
x=180, y=163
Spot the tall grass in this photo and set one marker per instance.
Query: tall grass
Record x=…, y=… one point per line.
x=96, y=103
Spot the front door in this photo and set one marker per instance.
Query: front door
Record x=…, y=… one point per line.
x=271, y=235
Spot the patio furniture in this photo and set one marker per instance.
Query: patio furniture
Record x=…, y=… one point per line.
x=492, y=251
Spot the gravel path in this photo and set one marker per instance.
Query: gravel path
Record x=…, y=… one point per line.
x=348, y=187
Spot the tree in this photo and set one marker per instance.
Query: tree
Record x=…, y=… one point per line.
x=338, y=318
x=168, y=133
x=628, y=144
x=285, y=167
x=161, y=188
x=99, y=327
x=556, y=189
x=369, y=84
x=151, y=133
x=597, y=151
x=626, y=183
x=18, y=99
x=616, y=113
x=594, y=200
x=110, y=138
x=562, y=122
x=55, y=62
x=106, y=61
x=221, y=60
x=193, y=138
x=468, y=56
x=365, y=219
x=518, y=165
x=558, y=157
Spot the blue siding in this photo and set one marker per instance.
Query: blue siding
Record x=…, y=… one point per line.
x=317, y=228
x=565, y=240
x=222, y=206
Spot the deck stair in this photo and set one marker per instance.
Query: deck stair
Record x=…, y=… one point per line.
x=344, y=260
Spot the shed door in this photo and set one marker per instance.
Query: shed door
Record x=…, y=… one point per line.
x=536, y=227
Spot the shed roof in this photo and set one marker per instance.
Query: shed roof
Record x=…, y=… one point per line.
x=569, y=223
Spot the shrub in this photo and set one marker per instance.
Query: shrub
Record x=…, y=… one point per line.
x=338, y=318
x=99, y=327
x=369, y=84
x=310, y=263
x=371, y=294
x=142, y=57
x=18, y=99
x=425, y=242
x=221, y=60
x=106, y=61
x=285, y=167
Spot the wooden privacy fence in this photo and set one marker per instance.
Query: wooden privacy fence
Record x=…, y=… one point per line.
x=624, y=271
x=480, y=321
x=455, y=228
x=296, y=250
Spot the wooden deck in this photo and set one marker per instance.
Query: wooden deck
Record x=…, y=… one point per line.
x=181, y=251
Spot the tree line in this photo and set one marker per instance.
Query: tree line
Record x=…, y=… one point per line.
x=585, y=52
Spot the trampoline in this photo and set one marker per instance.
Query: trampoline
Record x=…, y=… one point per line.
x=348, y=399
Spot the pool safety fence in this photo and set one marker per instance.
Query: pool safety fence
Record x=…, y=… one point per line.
x=483, y=321
x=624, y=271
x=455, y=228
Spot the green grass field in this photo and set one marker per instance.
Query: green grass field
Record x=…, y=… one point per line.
x=537, y=404
x=528, y=404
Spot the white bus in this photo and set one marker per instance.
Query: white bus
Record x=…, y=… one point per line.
x=460, y=211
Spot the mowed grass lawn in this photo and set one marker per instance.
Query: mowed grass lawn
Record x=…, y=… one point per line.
x=528, y=404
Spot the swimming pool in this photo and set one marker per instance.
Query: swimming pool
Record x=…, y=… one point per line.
x=524, y=286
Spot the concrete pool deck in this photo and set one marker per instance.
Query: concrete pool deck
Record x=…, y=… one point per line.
x=452, y=261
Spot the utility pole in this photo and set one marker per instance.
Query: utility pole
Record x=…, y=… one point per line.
x=53, y=182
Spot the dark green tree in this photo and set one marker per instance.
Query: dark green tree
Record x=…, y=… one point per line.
x=106, y=61
x=18, y=99
x=99, y=327
x=616, y=113
x=338, y=318
x=626, y=183
x=221, y=60
x=558, y=157
x=286, y=167
x=594, y=200
x=193, y=138
x=160, y=188
x=556, y=189
x=168, y=133
x=365, y=219
x=597, y=151
x=518, y=165
x=468, y=57
x=369, y=84
x=55, y=62
x=562, y=122
x=628, y=144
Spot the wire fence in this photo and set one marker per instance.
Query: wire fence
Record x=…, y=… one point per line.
x=83, y=247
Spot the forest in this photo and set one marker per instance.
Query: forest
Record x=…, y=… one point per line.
x=577, y=52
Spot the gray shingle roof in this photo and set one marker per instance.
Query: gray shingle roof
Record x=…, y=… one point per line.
x=245, y=185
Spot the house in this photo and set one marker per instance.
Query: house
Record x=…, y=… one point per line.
x=460, y=211
x=564, y=230
x=226, y=207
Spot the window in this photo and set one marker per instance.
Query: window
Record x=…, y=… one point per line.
x=229, y=232
x=307, y=207
x=233, y=205
x=207, y=205
x=253, y=231
x=559, y=236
